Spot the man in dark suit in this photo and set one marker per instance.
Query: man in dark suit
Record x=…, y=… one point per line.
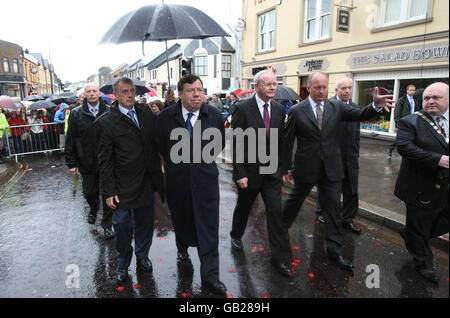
x=316, y=123
x=422, y=141
x=192, y=182
x=130, y=173
x=260, y=113
x=406, y=105
x=81, y=153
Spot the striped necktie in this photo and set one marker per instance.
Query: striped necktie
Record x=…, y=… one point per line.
x=132, y=115
x=267, y=119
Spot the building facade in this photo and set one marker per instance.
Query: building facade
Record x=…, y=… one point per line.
x=31, y=71
x=384, y=43
x=12, y=79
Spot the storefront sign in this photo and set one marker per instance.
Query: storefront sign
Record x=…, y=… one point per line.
x=313, y=65
x=343, y=21
x=429, y=53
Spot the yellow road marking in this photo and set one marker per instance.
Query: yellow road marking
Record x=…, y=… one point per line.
x=17, y=180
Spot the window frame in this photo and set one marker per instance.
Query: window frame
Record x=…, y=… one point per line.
x=318, y=24
x=201, y=69
x=6, y=69
x=404, y=13
x=269, y=31
x=227, y=64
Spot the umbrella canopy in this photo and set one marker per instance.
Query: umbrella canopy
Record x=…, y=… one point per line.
x=163, y=22
x=284, y=92
x=151, y=92
x=244, y=92
x=10, y=103
x=68, y=98
x=42, y=104
x=139, y=85
x=33, y=98
x=46, y=95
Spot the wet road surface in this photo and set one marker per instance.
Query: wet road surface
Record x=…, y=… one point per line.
x=45, y=241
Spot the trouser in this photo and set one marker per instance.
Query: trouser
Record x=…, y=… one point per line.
x=271, y=194
x=37, y=141
x=91, y=192
x=329, y=199
x=138, y=222
x=17, y=142
x=422, y=225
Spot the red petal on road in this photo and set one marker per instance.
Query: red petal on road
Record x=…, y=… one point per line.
x=163, y=238
x=296, y=248
x=185, y=295
x=229, y=296
x=121, y=288
x=266, y=296
x=232, y=270
x=378, y=243
x=311, y=275
x=137, y=286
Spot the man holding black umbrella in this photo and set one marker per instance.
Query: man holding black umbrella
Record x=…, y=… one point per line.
x=81, y=153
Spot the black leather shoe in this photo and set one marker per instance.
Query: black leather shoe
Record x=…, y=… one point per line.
x=428, y=274
x=237, y=244
x=144, y=265
x=108, y=232
x=282, y=268
x=352, y=227
x=320, y=218
x=342, y=262
x=92, y=218
x=217, y=287
x=122, y=275
x=182, y=256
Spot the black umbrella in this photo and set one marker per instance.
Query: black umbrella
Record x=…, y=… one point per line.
x=163, y=22
x=46, y=95
x=33, y=98
x=68, y=98
x=42, y=104
x=140, y=87
x=284, y=92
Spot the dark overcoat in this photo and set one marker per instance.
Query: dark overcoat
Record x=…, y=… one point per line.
x=192, y=188
x=128, y=157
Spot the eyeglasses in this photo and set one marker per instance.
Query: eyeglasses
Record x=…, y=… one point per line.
x=191, y=90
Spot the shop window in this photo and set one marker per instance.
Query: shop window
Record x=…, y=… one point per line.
x=226, y=66
x=317, y=20
x=5, y=65
x=365, y=91
x=201, y=65
x=400, y=11
x=267, y=29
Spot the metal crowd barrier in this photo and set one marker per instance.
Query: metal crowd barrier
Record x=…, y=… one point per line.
x=33, y=139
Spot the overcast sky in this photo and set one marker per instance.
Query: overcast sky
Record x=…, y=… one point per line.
x=67, y=32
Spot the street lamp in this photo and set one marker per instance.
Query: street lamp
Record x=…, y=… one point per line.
x=238, y=29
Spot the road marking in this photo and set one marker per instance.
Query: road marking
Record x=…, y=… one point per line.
x=11, y=186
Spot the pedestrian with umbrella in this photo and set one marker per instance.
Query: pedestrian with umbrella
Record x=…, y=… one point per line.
x=3, y=136
x=16, y=133
x=140, y=87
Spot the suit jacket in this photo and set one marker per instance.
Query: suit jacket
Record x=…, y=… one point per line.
x=403, y=108
x=420, y=181
x=247, y=115
x=316, y=146
x=195, y=183
x=128, y=157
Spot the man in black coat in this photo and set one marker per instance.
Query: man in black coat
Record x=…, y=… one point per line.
x=130, y=173
x=81, y=153
x=316, y=123
x=422, y=141
x=255, y=114
x=192, y=175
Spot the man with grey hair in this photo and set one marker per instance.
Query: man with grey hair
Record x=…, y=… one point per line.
x=81, y=152
x=316, y=124
x=255, y=113
x=422, y=183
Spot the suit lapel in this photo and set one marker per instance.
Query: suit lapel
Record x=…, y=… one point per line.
x=327, y=113
x=257, y=114
x=310, y=114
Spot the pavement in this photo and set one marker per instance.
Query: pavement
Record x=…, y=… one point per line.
x=377, y=177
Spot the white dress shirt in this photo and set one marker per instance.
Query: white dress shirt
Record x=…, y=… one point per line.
x=94, y=109
x=186, y=113
x=261, y=104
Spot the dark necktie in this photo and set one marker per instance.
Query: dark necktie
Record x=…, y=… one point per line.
x=267, y=119
x=132, y=115
x=189, y=124
x=319, y=114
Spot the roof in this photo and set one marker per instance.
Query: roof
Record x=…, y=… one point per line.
x=174, y=52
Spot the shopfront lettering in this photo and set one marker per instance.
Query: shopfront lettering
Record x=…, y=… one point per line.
x=408, y=55
x=313, y=65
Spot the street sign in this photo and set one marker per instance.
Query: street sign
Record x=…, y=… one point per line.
x=343, y=20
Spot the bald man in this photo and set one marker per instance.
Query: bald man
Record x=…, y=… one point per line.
x=422, y=183
x=81, y=152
